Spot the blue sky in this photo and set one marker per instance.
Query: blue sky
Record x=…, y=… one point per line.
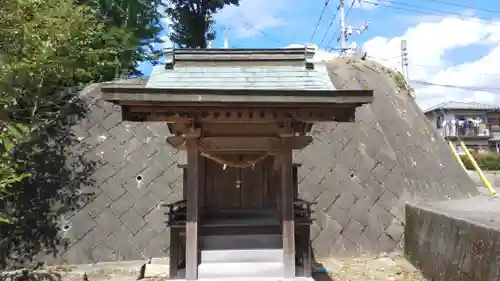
x=444, y=40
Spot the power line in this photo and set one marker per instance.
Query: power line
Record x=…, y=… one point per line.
x=424, y=10
x=396, y=8
x=468, y=88
x=465, y=6
x=397, y=60
x=432, y=9
x=246, y=22
x=330, y=25
x=350, y=8
x=454, y=86
x=334, y=36
x=319, y=20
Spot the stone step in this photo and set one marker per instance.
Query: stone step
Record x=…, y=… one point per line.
x=255, y=279
x=156, y=271
x=162, y=260
x=254, y=241
x=240, y=270
x=247, y=255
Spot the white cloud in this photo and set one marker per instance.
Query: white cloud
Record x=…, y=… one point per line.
x=366, y=5
x=428, y=43
x=243, y=21
x=319, y=55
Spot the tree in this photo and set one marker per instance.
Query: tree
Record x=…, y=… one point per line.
x=51, y=48
x=10, y=134
x=141, y=19
x=192, y=21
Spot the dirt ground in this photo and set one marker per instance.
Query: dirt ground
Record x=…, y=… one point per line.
x=384, y=267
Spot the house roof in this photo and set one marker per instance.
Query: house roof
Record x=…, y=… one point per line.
x=456, y=105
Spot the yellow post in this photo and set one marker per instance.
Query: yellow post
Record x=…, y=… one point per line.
x=478, y=170
x=455, y=153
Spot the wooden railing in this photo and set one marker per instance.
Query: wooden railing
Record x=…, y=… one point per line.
x=303, y=210
x=176, y=213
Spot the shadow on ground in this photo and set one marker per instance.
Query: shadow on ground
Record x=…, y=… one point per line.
x=320, y=273
x=56, y=188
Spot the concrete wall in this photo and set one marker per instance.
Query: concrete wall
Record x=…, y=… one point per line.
x=455, y=239
x=361, y=175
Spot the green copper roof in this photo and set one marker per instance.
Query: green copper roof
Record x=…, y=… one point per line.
x=241, y=69
x=237, y=77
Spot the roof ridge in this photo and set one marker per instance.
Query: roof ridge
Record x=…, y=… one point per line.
x=472, y=103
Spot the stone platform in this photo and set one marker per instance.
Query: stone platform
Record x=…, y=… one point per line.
x=455, y=239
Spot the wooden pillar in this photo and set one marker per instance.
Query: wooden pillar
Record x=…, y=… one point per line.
x=174, y=252
x=192, y=200
x=307, y=252
x=201, y=185
x=287, y=212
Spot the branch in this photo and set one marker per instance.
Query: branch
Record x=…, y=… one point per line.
x=192, y=7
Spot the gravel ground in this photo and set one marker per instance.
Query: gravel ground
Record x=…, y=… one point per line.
x=385, y=267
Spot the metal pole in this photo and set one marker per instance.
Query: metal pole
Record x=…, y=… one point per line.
x=404, y=59
x=226, y=39
x=480, y=173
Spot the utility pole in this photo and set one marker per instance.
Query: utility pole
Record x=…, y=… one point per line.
x=404, y=60
x=226, y=40
x=342, y=28
x=404, y=67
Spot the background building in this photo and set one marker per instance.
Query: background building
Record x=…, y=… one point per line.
x=476, y=124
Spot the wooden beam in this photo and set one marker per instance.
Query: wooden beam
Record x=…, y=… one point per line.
x=228, y=144
x=287, y=212
x=227, y=116
x=183, y=166
x=192, y=198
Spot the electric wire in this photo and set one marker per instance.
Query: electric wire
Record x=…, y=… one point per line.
x=475, y=88
x=246, y=22
x=329, y=26
x=465, y=6
x=319, y=19
x=424, y=10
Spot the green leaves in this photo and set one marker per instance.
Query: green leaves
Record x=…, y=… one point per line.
x=139, y=21
x=192, y=21
x=11, y=134
x=52, y=46
x=47, y=48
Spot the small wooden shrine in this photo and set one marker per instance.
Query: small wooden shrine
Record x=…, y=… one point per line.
x=238, y=114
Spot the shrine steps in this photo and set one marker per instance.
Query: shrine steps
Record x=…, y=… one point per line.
x=241, y=256
x=241, y=241
x=240, y=269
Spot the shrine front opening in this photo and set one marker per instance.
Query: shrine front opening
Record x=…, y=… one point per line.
x=241, y=215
